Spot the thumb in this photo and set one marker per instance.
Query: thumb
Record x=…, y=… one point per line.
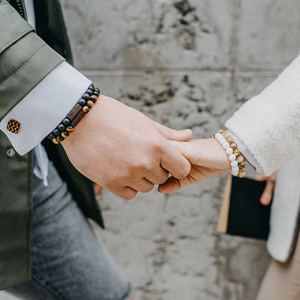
x=173, y=135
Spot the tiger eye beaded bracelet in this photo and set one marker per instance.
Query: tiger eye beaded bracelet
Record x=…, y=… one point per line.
x=237, y=160
x=82, y=107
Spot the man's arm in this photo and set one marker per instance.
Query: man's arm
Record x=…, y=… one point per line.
x=114, y=145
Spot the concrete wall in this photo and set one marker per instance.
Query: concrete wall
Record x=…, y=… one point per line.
x=184, y=64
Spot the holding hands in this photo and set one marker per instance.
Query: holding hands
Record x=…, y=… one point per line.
x=208, y=160
x=125, y=152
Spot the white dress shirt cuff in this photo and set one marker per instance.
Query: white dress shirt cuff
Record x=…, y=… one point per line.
x=45, y=106
x=250, y=159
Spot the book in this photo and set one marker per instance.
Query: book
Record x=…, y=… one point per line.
x=241, y=212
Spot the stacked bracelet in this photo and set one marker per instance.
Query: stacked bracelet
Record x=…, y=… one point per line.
x=237, y=160
x=82, y=107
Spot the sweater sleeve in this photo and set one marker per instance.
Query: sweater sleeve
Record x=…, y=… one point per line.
x=269, y=123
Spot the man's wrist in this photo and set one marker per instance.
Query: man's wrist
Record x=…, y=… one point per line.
x=82, y=107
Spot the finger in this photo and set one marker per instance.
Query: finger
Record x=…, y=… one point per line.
x=97, y=189
x=126, y=193
x=188, y=150
x=159, y=176
x=143, y=186
x=174, y=162
x=174, y=135
x=171, y=185
x=195, y=175
x=260, y=177
x=268, y=193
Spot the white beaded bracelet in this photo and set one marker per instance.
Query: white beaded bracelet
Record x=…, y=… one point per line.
x=237, y=161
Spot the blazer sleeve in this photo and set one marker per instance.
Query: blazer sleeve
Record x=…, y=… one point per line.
x=269, y=123
x=25, y=59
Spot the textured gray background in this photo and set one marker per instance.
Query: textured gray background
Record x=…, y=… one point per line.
x=184, y=64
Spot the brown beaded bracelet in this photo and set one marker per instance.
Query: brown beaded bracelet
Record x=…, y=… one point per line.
x=82, y=107
x=234, y=154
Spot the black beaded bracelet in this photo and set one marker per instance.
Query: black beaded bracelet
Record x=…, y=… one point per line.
x=82, y=107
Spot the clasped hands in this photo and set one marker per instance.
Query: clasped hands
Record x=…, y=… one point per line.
x=125, y=152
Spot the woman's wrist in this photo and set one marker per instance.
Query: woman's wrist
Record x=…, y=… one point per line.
x=238, y=167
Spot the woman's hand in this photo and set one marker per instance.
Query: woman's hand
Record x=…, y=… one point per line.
x=208, y=159
x=269, y=189
x=97, y=189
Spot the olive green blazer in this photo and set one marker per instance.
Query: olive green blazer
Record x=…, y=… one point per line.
x=23, y=52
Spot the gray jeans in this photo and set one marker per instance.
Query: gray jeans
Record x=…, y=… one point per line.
x=68, y=261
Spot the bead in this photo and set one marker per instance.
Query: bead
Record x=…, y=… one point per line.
x=226, y=136
x=86, y=96
x=90, y=104
x=235, y=173
x=70, y=129
x=56, y=132
x=51, y=136
x=222, y=141
x=230, y=140
x=242, y=165
x=97, y=90
x=91, y=87
x=96, y=93
x=233, y=146
x=94, y=98
x=242, y=170
x=90, y=92
x=224, y=132
x=240, y=159
x=234, y=163
x=229, y=151
x=60, y=138
x=85, y=109
x=242, y=175
x=232, y=157
x=61, y=127
x=65, y=134
x=226, y=146
x=237, y=152
x=55, y=141
x=235, y=170
x=82, y=102
x=220, y=131
x=218, y=136
x=66, y=122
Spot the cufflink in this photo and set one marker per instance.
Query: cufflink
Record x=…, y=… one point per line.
x=13, y=126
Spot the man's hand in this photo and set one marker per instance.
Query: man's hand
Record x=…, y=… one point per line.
x=123, y=151
x=208, y=160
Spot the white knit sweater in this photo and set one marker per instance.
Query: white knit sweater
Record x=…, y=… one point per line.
x=269, y=123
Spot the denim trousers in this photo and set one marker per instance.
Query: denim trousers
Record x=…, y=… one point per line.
x=68, y=261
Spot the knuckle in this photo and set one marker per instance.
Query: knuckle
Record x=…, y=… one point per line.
x=142, y=166
x=146, y=167
x=157, y=146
